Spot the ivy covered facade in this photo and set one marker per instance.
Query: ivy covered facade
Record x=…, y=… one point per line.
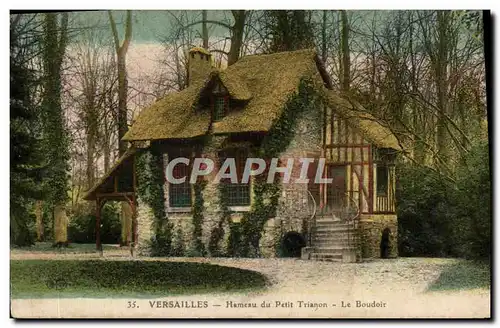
x=280, y=107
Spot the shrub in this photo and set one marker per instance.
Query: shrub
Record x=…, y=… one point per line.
x=82, y=225
x=437, y=217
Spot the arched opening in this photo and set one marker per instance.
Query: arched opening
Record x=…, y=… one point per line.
x=385, y=243
x=292, y=244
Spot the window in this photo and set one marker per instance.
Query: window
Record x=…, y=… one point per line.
x=219, y=108
x=220, y=101
x=382, y=180
x=238, y=194
x=180, y=194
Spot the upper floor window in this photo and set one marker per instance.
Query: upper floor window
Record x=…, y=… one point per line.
x=220, y=108
x=382, y=180
x=220, y=102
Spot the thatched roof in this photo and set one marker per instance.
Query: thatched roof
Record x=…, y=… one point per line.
x=173, y=116
x=235, y=85
x=265, y=83
x=357, y=116
x=123, y=167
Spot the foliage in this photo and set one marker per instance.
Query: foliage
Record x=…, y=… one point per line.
x=217, y=232
x=438, y=217
x=150, y=190
x=26, y=172
x=473, y=201
x=77, y=278
x=199, y=248
x=82, y=225
x=48, y=247
x=178, y=248
x=288, y=29
x=463, y=275
x=55, y=134
x=234, y=241
x=424, y=214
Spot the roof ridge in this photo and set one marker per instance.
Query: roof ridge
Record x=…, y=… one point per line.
x=281, y=53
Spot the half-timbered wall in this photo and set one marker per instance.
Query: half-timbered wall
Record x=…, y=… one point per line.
x=344, y=146
x=384, y=187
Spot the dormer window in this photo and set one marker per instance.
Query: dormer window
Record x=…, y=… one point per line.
x=220, y=102
x=219, y=108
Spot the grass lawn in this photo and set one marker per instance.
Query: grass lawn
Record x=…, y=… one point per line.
x=46, y=247
x=100, y=278
x=463, y=275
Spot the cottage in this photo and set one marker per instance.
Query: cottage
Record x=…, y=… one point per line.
x=272, y=107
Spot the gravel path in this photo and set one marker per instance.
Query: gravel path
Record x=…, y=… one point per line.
x=387, y=288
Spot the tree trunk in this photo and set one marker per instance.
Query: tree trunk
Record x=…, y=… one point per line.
x=126, y=221
x=441, y=79
x=121, y=53
x=323, y=37
x=346, y=61
x=204, y=29
x=60, y=226
x=237, y=36
x=39, y=220
x=55, y=135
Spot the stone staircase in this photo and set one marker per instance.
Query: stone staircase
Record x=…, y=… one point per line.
x=332, y=240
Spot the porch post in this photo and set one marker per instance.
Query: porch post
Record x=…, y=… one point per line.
x=98, y=224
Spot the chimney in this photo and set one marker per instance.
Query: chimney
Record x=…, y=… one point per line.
x=199, y=65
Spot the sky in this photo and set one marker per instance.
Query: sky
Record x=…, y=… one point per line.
x=148, y=26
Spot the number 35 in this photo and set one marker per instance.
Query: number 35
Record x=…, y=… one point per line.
x=131, y=304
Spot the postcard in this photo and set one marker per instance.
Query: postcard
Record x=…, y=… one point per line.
x=250, y=164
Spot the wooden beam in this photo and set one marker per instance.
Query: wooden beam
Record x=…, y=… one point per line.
x=370, y=180
x=332, y=162
x=134, y=176
x=109, y=195
x=346, y=145
x=98, y=225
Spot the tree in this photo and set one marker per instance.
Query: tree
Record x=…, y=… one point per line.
x=288, y=30
x=26, y=157
x=346, y=60
x=55, y=38
x=121, y=53
x=237, y=31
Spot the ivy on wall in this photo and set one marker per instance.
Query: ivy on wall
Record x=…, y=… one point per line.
x=198, y=247
x=149, y=167
x=266, y=195
x=218, y=232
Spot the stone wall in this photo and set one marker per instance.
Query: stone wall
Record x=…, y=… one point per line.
x=145, y=220
x=371, y=227
x=212, y=209
x=295, y=206
x=183, y=221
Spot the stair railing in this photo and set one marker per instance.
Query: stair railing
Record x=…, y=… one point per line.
x=311, y=226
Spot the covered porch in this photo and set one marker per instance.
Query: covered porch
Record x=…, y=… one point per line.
x=118, y=184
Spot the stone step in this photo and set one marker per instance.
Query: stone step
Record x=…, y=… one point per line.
x=333, y=241
x=332, y=222
x=331, y=249
x=332, y=257
x=333, y=244
x=333, y=230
